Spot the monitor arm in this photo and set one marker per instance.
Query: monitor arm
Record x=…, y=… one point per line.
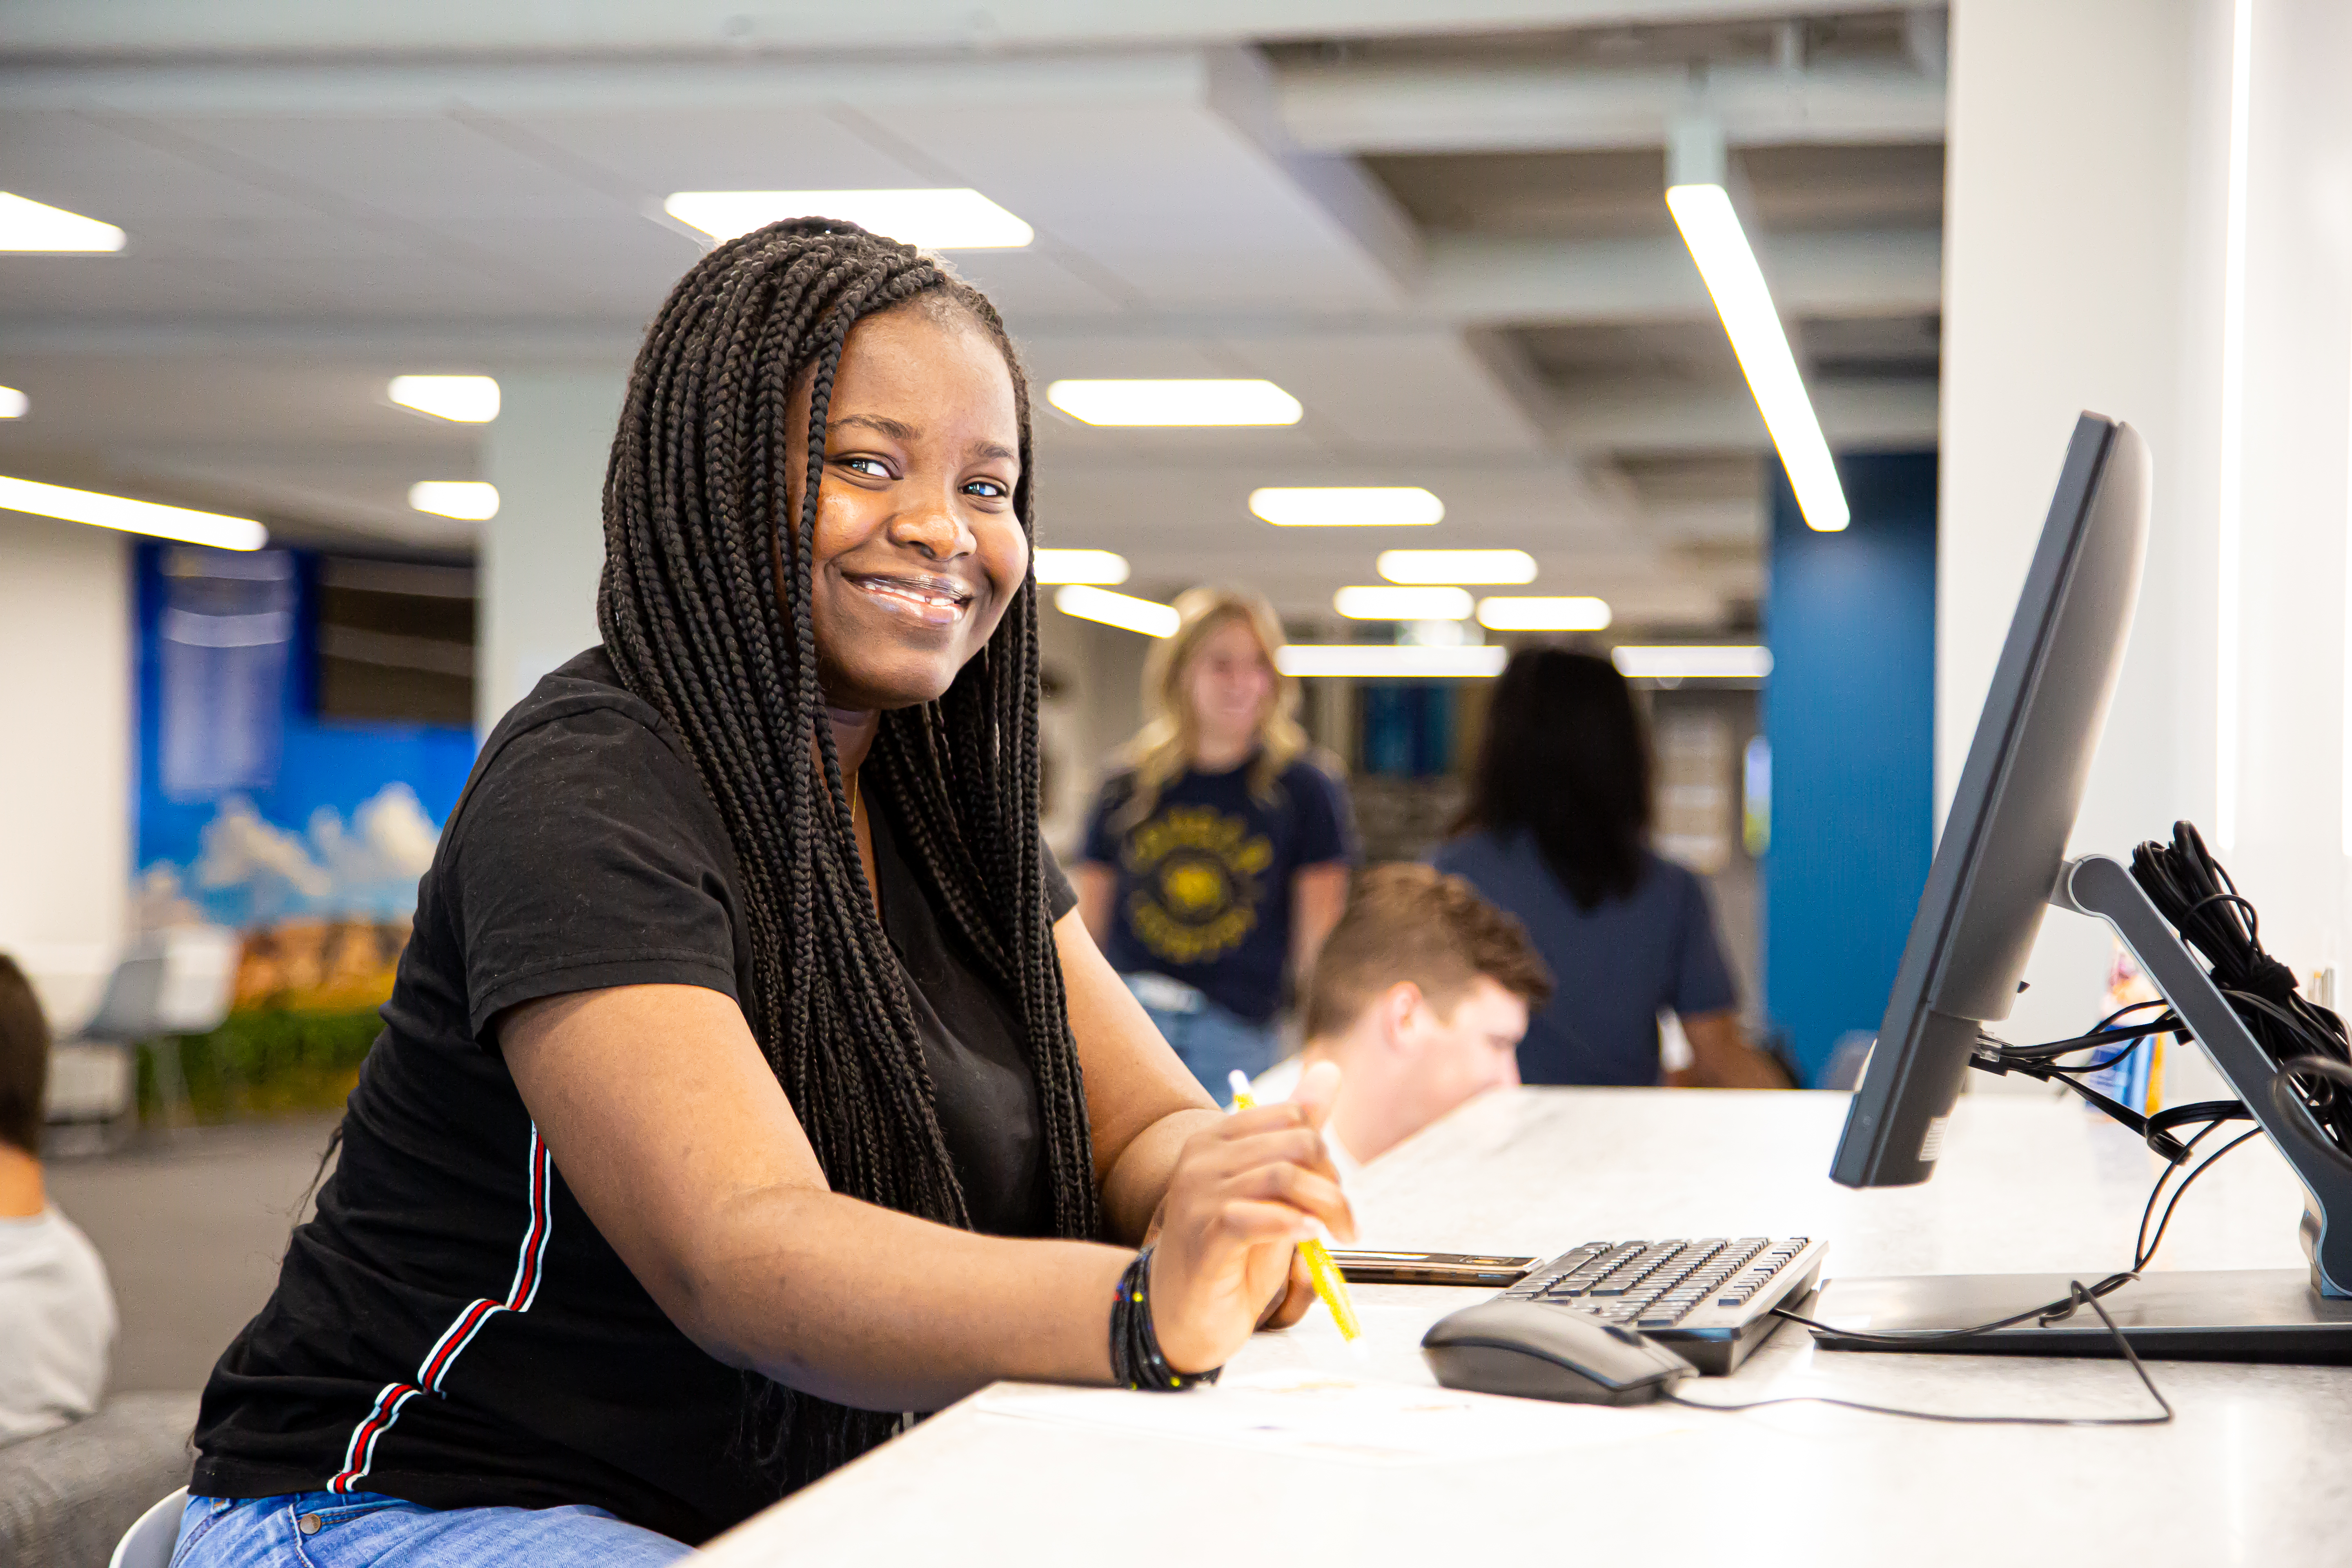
x=2096, y=885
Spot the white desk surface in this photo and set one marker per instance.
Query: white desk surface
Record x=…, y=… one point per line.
x=2254, y=1470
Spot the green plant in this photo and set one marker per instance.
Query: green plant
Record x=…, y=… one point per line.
x=261, y=1062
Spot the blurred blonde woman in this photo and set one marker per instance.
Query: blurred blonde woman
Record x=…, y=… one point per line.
x=1216, y=860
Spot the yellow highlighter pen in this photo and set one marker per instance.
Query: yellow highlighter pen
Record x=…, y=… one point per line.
x=1330, y=1283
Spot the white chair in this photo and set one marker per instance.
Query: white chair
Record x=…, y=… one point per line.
x=174, y=982
x=149, y=1542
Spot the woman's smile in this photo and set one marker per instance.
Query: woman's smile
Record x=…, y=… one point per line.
x=932, y=601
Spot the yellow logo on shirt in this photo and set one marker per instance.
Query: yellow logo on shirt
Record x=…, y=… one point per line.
x=1198, y=869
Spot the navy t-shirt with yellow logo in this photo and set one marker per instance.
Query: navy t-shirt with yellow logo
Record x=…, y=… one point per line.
x=1204, y=879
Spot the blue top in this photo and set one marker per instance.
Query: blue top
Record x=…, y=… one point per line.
x=1616, y=964
x=1203, y=889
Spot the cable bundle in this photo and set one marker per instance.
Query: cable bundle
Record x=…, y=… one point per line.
x=2305, y=1041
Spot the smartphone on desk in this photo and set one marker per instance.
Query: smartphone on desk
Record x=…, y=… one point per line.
x=1371, y=1267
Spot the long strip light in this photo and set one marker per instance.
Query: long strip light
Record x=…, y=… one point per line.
x=1383, y=602
x=1098, y=566
x=952, y=219
x=133, y=516
x=1541, y=613
x=1676, y=661
x=1457, y=565
x=27, y=226
x=1121, y=610
x=1711, y=229
x=1199, y=401
x=1391, y=661
x=1347, y=506
x=469, y=500
x=2230, y=549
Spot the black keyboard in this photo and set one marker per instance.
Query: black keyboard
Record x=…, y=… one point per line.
x=1711, y=1301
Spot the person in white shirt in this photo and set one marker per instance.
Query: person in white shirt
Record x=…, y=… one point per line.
x=1420, y=994
x=57, y=1311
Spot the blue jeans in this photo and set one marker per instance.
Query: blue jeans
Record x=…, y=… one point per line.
x=1211, y=1040
x=349, y=1530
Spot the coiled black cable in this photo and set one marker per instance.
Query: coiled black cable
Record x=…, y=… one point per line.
x=2192, y=891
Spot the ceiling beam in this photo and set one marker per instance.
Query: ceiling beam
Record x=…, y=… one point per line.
x=1493, y=281
x=1469, y=281
x=1488, y=108
x=1857, y=414
x=442, y=29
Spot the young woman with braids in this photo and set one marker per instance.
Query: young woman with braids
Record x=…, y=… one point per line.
x=749, y=1081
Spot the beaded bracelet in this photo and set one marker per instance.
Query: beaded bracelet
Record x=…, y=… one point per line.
x=1135, y=1358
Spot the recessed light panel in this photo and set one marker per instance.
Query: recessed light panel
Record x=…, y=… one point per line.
x=133, y=516
x=465, y=399
x=1344, y=507
x=1391, y=661
x=1170, y=403
x=1388, y=603
x=1684, y=662
x=1534, y=612
x=14, y=404
x=469, y=500
x=1457, y=566
x=1096, y=566
x=958, y=220
x=30, y=226
x=1122, y=610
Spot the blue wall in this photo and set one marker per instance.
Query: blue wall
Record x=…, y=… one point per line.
x=250, y=806
x=1850, y=713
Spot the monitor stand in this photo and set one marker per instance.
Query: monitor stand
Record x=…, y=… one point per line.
x=2292, y=1315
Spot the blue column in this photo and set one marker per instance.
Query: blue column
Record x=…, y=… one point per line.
x=1850, y=713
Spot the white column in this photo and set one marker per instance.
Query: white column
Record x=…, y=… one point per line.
x=2294, y=834
x=65, y=790
x=2085, y=200
x=540, y=555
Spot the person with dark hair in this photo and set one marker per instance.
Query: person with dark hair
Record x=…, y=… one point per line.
x=1556, y=831
x=1421, y=996
x=57, y=1311
x=748, y=1087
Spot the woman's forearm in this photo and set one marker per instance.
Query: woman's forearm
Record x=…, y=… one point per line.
x=867, y=1306
x=1136, y=1183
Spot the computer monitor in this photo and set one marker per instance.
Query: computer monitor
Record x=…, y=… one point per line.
x=2001, y=862
x=2006, y=836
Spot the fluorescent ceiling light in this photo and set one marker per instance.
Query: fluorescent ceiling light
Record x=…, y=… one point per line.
x=1121, y=610
x=1711, y=229
x=465, y=399
x=961, y=219
x=1384, y=604
x=1175, y=402
x=1340, y=507
x=1391, y=661
x=29, y=226
x=1457, y=566
x=1534, y=612
x=14, y=404
x=133, y=516
x=1080, y=566
x=469, y=500
x=1740, y=662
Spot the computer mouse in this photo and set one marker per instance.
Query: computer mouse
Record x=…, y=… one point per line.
x=1543, y=1351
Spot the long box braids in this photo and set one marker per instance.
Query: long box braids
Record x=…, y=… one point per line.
x=704, y=606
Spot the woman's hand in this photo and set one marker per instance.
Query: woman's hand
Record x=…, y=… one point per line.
x=1246, y=1192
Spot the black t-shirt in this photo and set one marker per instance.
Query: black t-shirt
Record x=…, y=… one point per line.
x=451, y=1329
